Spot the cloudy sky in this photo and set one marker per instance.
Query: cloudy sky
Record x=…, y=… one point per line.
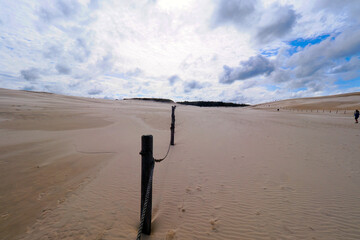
x=221, y=50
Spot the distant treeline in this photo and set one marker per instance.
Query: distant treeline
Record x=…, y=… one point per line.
x=164, y=100
x=192, y=103
x=213, y=104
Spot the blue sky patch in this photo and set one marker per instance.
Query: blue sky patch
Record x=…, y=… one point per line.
x=269, y=52
x=345, y=84
x=300, y=89
x=271, y=87
x=303, y=42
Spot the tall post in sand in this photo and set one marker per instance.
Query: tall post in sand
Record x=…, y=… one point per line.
x=147, y=165
x=172, y=128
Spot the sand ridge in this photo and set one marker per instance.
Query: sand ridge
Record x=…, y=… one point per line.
x=234, y=173
x=337, y=103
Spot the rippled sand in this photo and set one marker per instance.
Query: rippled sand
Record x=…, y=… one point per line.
x=70, y=169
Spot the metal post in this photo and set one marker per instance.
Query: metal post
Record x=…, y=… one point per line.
x=172, y=128
x=147, y=164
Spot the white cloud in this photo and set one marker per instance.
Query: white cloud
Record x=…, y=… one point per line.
x=177, y=49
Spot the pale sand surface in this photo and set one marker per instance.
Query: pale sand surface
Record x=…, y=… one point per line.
x=341, y=102
x=70, y=169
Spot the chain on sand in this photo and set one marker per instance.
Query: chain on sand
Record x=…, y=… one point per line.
x=148, y=194
x=159, y=160
x=145, y=204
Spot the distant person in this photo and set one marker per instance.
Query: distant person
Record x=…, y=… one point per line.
x=356, y=115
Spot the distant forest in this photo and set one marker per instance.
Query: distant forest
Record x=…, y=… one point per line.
x=192, y=103
x=213, y=104
x=164, y=100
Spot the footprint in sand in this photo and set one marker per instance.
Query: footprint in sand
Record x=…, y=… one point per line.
x=218, y=207
x=40, y=196
x=287, y=229
x=170, y=234
x=214, y=224
x=181, y=208
x=286, y=188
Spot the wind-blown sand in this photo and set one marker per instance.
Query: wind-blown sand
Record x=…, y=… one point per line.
x=70, y=169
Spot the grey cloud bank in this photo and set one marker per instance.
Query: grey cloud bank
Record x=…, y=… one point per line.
x=63, y=69
x=173, y=79
x=255, y=66
x=280, y=21
x=31, y=74
x=192, y=85
x=266, y=25
x=236, y=12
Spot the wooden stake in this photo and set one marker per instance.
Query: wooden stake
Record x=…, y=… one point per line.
x=172, y=128
x=147, y=164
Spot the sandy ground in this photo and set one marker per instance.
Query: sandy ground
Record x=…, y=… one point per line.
x=70, y=169
x=342, y=103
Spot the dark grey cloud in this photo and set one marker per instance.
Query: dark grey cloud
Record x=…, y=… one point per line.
x=279, y=22
x=266, y=24
x=345, y=45
x=255, y=66
x=346, y=8
x=280, y=76
x=94, y=91
x=63, y=69
x=191, y=85
x=234, y=12
x=249, y=84
x=297, y=83
x=31, y=74
x=173, y=79
x=353, y=64
x=105, y=63
x=129, y=74
x=81, y=50
x=311, y=68
x=53, y=51
x=61, y=9
x=315, y=86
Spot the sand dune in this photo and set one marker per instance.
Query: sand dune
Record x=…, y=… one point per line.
x=348, y=101
x=70, y=169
